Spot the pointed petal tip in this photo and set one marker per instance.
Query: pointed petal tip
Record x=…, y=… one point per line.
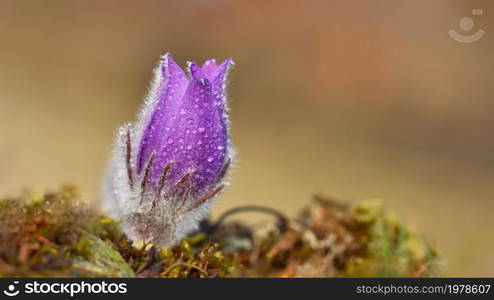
x=194, y=70
x=210, y=69
x=166, y=56
x=210, y=63
x=230, y=63
x=226, y=65
x=169, y=68
x=167, y=59
x=227, y=62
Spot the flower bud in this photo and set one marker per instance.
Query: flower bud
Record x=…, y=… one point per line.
x=168, y=166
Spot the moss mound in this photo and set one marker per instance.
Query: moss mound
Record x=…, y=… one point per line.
x=58, y=235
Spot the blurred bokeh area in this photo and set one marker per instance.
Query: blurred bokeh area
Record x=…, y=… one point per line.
x=351, y=99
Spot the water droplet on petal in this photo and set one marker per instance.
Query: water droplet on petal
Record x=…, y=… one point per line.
x=169, y=141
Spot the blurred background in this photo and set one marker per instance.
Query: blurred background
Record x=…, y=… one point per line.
x=351, y=99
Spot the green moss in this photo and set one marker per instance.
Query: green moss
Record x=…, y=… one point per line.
x=392, y=249
x=329, y=238
x=97, y=258
x=58, y=235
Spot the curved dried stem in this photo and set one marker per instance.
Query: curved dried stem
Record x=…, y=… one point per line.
x=281, y=218
x=184, y=264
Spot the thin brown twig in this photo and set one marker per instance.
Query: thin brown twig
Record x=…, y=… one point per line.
x=180, y=263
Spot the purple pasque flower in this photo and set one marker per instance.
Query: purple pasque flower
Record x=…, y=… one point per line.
x=167, y=167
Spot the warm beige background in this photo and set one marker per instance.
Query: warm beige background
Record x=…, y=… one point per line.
x=356, y=100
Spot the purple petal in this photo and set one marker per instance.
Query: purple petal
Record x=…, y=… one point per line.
x=217, y=75
x=209, y=67
x=195, y=71
x=196, y=139
x=173, y=84
x=188, y=126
